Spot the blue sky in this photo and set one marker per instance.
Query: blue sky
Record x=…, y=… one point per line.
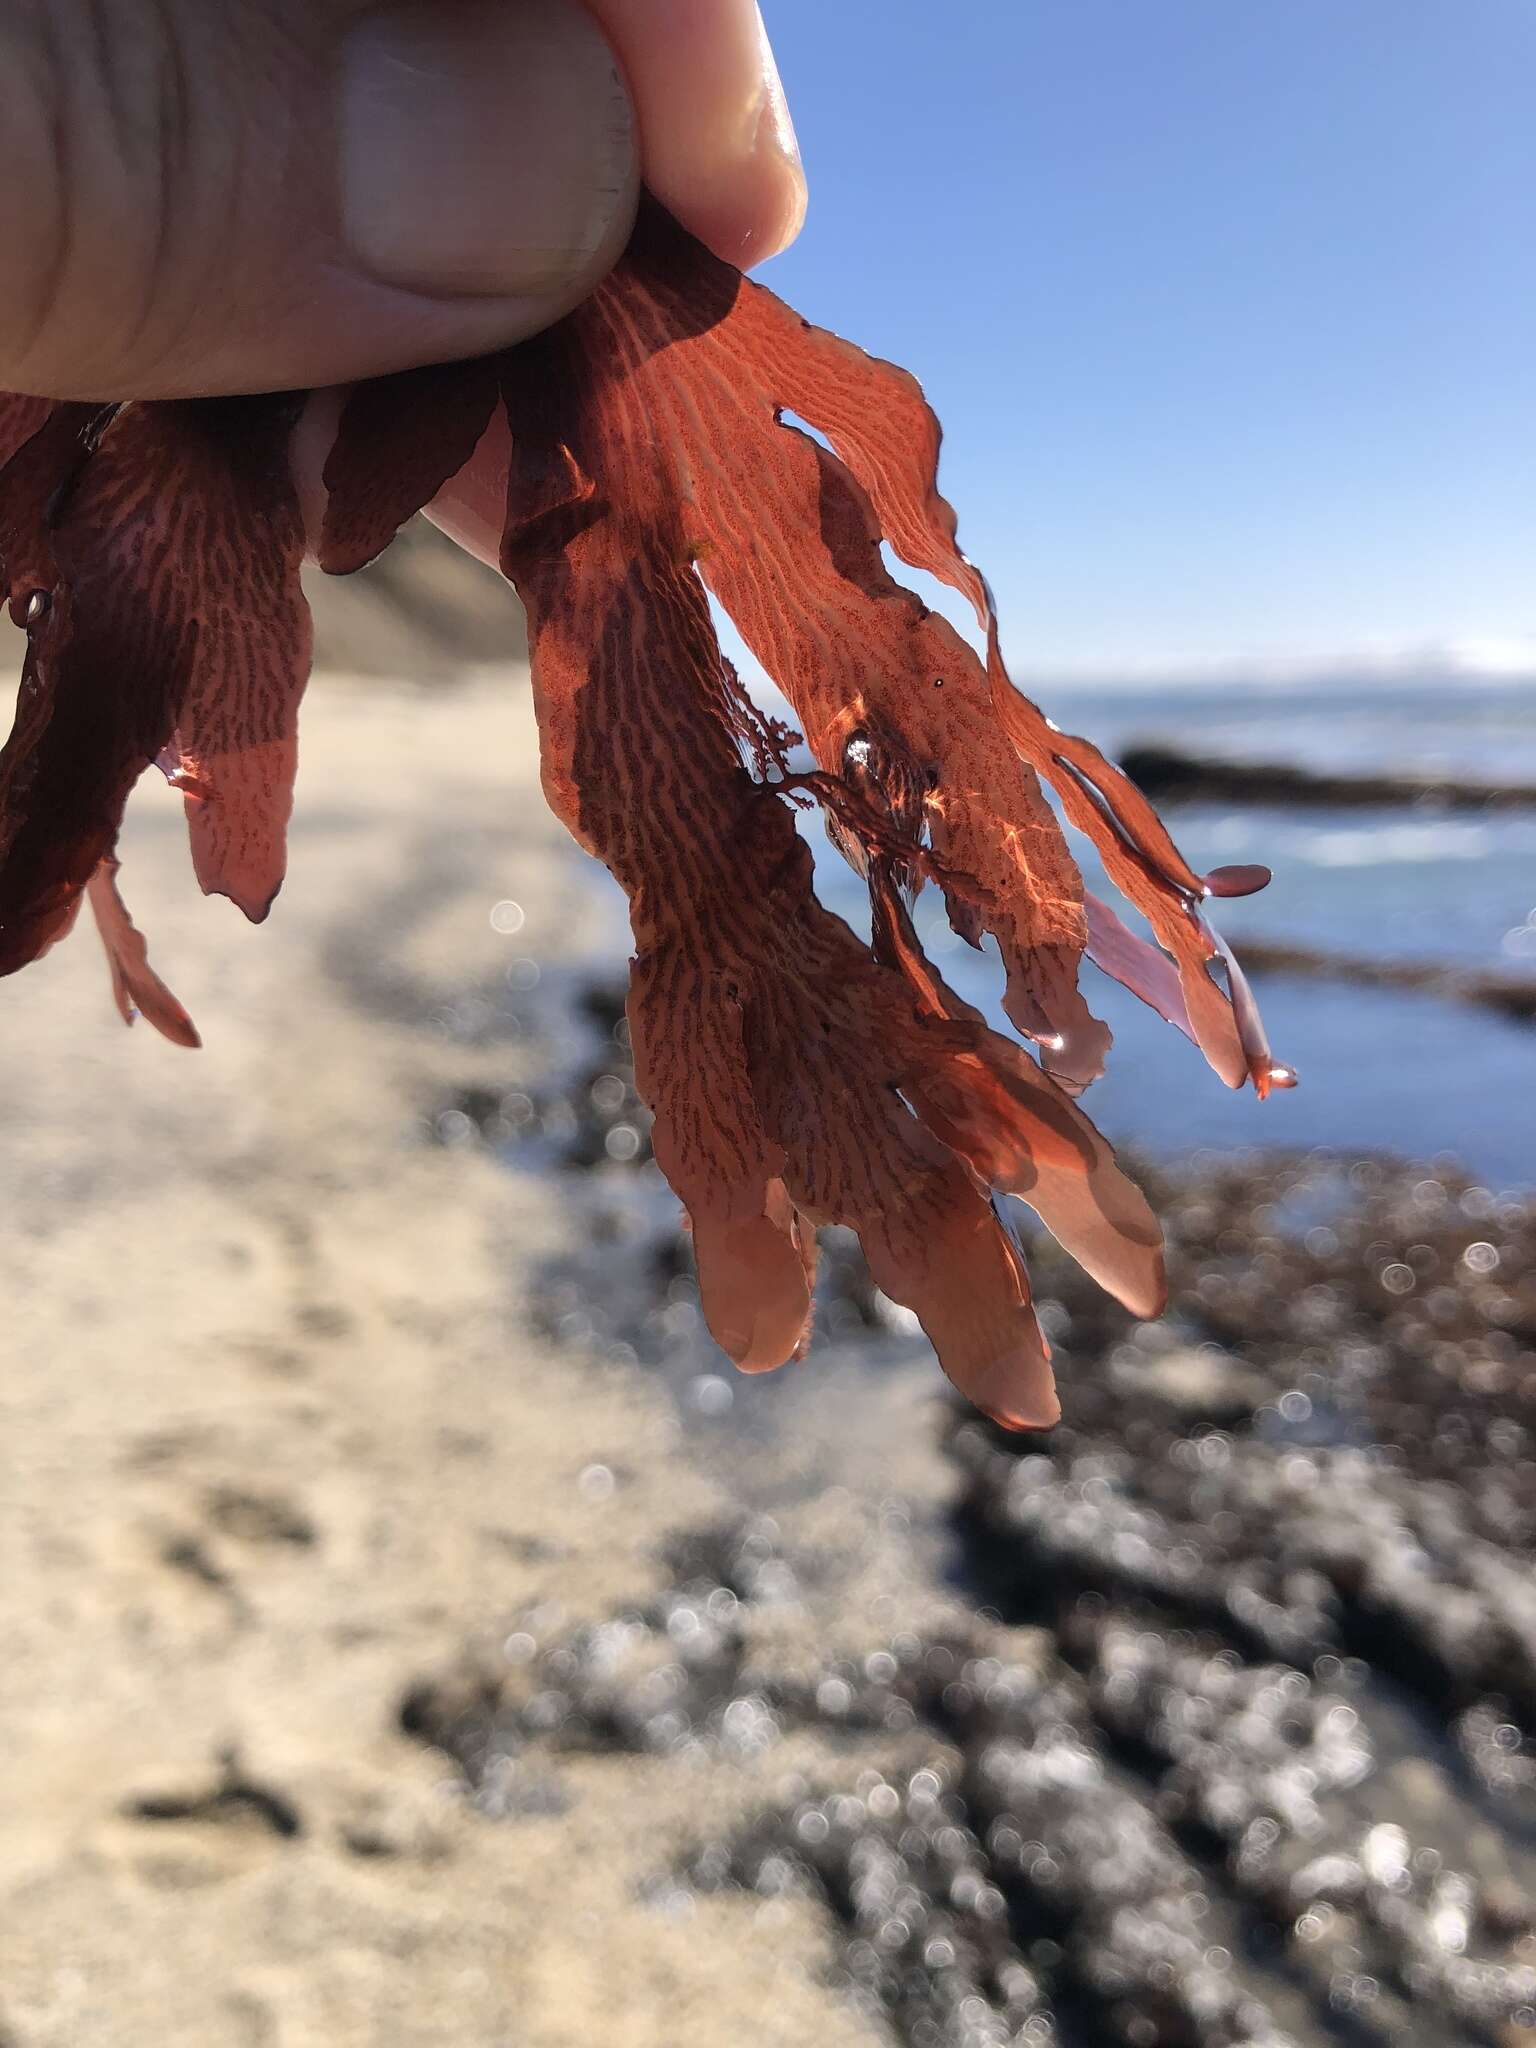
x=1228, y=306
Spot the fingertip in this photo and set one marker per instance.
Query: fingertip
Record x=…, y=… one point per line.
x=718, y=146
x=774, y=185
x=757, y=214
x=1041, y=1412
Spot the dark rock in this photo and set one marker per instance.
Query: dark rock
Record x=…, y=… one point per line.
x=1508, y=995
x=1173, y=777
x=1252, y=1660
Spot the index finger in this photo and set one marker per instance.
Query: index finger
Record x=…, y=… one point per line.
x=716, y=141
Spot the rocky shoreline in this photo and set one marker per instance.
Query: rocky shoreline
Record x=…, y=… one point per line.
x=1512, y=996
x=1171, y=777
x=419, y=1635
x=1229, y=1739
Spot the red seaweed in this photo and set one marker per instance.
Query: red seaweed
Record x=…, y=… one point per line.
x=622, y=467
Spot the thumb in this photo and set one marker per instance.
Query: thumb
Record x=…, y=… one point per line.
x=243, y=195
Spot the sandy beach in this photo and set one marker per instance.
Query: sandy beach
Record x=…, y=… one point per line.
x=415, y=1635
x=279, y=1441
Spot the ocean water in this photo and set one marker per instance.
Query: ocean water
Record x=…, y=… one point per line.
x=1380, y=1070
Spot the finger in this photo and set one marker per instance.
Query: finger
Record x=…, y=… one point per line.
x=250, y=196
x=717, y=141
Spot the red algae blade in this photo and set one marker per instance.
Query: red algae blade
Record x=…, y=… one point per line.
x=136, y=988
x=623, y=467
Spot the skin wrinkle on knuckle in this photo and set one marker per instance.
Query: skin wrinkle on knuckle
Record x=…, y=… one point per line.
x=219, y=125
x=35, y=219
x=75, y=278
x=169, y=155
x=116, y=153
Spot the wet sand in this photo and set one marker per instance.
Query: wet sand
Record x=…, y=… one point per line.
x=279, y=1440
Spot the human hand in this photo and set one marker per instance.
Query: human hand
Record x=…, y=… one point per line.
x=202, y=196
